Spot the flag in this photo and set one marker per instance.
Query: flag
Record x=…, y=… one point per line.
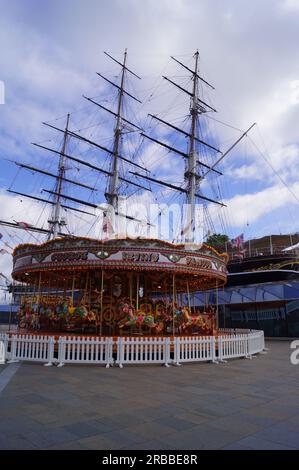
x=23, y=225
x=240, y=254
x=238, y=242
x=107, y=229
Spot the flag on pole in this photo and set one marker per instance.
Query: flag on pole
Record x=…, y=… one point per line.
x=238, y=242
x=23, y=225
x=107, y=229
x=240, y=254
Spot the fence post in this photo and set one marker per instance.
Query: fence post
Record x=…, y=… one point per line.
x=61, y=352
x=2, y=352
x=166, y=351
x=13, y=353
x=220, y=349
x=176, y=351
x=120, y=352
x=51, y=342
x=213, y=349
x=6, y=354
x=249, y=342
x=108, y=352
x=246, y=341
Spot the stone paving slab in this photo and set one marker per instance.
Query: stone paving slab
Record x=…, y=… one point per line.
x=241, y=405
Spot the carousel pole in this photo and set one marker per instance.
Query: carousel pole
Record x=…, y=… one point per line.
x=38, y=298
x=188, y=295
x=110, y=313
x=73, y=288
x=131, y=288
x=89, y=294
x=86, y=287
x=217, y=307
x=137, y=293
x=11, y=302
x=39, y=285
x=173, y=304
x=223, y=299
x=101, y=302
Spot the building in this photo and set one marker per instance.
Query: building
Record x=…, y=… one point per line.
x=262, y=291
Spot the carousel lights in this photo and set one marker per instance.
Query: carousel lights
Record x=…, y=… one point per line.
x=124, y=303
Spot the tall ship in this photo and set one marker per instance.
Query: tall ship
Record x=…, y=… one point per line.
x=102, y=264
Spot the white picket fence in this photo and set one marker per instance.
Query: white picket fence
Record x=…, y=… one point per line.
x=32, y=348
x=256, y=342
x=140, y=350
x=194, y=349
x=4, y=339
x=232, y=346
x=82, y=350
x=143, y=351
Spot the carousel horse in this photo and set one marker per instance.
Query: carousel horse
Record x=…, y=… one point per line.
x=81, y=312
x=137, y=319
x=129, y=319
x=196, y=322
x=62, y=309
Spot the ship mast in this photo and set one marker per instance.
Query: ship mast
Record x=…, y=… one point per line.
x=193, y=162
x=191, y=175
x=113, y=175
x=112, y=195
x=55, y=223
x=191, y=188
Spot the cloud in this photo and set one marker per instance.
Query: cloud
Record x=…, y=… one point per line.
x=249, y=208
x=290, y=5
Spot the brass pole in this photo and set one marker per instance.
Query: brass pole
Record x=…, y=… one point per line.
x=223, y=306
x=73, y=288
x=39, y=284
x=11, y=302
x=188, y=295
x=101, y=300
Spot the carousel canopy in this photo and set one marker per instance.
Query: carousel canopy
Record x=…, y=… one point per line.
x=62, y=258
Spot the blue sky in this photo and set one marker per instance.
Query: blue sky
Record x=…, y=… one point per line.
x=50, y=51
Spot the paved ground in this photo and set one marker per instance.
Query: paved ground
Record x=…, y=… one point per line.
x=239, y=405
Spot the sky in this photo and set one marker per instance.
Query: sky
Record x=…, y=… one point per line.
x=50, y=51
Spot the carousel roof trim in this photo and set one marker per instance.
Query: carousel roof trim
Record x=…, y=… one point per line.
x=186, y=246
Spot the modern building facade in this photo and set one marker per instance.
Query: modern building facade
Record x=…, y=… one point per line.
x=262, y=291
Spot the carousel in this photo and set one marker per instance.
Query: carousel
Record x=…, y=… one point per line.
x=117, y=287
